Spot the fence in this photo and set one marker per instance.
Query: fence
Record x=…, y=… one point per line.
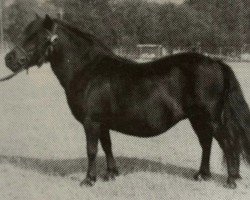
x=148, y=52
x=228, y=53
x=142, y=52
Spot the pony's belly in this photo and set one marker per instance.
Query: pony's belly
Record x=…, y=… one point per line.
x=140, y=131
x=142, y=127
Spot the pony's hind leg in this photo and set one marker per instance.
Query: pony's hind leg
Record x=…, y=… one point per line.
x=232, y=158
x=204, y=132
x=237, y=166
x=112, y=170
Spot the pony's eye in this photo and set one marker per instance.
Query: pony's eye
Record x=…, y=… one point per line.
x=31, y=37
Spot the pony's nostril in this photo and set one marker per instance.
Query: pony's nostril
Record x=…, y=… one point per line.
x=22, y=60
x=10, y=57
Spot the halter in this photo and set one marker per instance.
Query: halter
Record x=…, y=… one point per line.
x=52, y=37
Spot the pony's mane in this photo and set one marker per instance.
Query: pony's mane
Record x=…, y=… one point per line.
x=93, y=39
x=84, y=35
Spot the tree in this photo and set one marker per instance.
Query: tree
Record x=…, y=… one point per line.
x=182, y=26
x=91, y=16
x=228, y=20
x=139, y=20
x=16, y=17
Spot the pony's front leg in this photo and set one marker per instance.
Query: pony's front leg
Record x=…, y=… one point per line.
x=112, y=170
x=92, y=130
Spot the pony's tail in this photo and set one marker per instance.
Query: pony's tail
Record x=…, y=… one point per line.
x=236, y=115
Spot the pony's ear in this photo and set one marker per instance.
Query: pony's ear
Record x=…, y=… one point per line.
x=48, y=22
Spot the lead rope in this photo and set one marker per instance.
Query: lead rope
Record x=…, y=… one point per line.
x=11, y=75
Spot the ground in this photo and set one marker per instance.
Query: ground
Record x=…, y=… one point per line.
x=43, y=152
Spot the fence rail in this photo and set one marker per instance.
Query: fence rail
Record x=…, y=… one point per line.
x=229, y=53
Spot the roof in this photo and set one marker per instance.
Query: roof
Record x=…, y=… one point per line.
x=149, y=45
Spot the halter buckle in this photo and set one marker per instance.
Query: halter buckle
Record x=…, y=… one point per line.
x=53, y=38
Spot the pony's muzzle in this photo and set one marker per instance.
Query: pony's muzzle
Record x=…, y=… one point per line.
x=10, y=58
x=13, y=62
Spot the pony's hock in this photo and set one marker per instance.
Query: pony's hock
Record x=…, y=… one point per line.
x=106, y=92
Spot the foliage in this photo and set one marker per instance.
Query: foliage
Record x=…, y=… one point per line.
x=15, y=19
x=93, y=16
x=228, y=20
x=139, y=20
x=182, y=26
x=127, y=22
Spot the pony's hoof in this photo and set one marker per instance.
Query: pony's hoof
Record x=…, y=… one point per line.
x=110, y=175
x=238, y=177
x=88, y=182
x=202, y=177
x=115, y=172
x=230, y=184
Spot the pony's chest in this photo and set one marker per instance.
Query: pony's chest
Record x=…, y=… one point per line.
x=90, y=101
x=76, y=105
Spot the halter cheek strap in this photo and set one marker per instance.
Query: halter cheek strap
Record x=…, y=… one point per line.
x=52, y=38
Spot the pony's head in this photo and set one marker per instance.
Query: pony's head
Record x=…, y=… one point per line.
x=34, y=45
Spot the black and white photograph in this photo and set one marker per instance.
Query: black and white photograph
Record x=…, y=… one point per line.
x=124, y=99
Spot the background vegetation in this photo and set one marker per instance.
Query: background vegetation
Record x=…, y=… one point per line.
x=210, y=24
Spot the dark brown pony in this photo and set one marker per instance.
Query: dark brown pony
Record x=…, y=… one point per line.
x=106, y=92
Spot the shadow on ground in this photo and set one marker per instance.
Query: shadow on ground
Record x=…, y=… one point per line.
x=126, y=165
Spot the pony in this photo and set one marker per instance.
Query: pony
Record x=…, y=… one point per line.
x=106, y=92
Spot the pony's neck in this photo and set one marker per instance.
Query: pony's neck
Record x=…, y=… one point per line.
x=70, y=56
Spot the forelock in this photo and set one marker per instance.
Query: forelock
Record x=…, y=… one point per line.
x=33, y=27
